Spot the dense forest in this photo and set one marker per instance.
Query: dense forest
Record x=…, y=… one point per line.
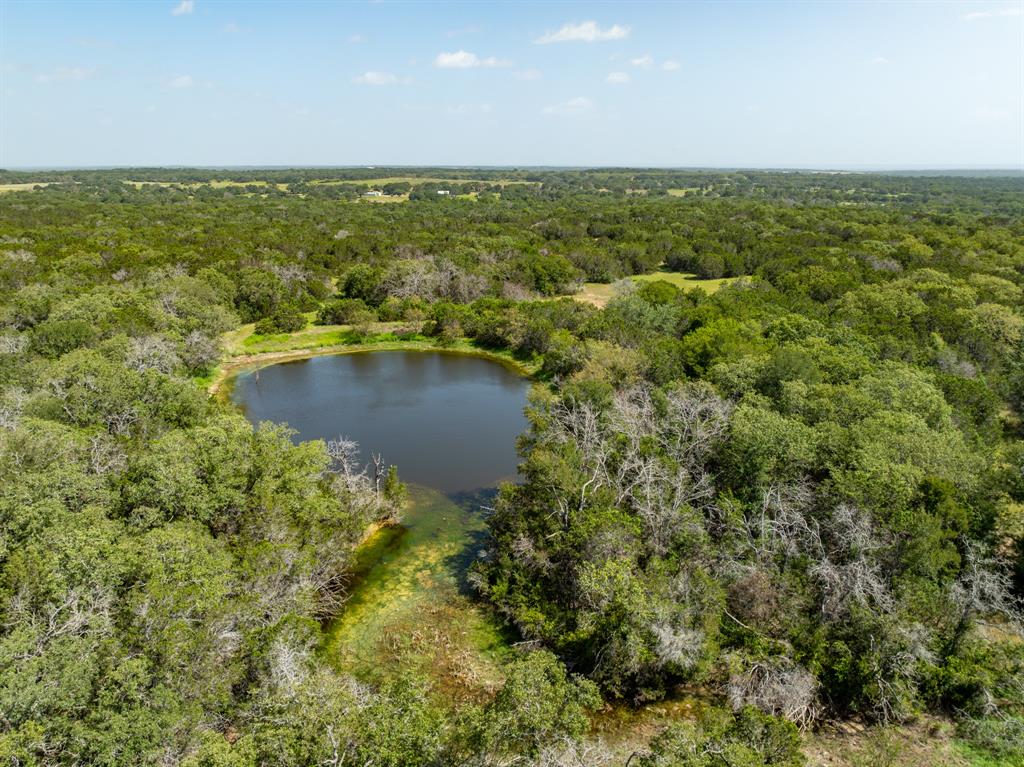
x=801, y=494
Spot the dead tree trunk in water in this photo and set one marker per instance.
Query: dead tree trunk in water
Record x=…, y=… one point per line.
x=378, y=473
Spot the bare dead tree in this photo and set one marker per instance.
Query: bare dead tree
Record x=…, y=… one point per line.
x=570, y=753
x=343, y=453
x=784, y=525
x=983, y=590
x=152, y=352
x=849, y=571
x=200, y=350
x=413, y=279
x=120, y=423
x=168, y=301
x=291, y=275
x=105, y=455
x=13, y=343
x=580, y=424
x=20, y=256
x=678, y=645
x=378, y=473
x=781, y=688
x=289, y=665
x=12, y=405
x=664, y=487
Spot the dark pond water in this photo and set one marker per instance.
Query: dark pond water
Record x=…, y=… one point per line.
x=447, y=421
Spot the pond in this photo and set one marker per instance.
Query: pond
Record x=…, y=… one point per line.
x=447, y=421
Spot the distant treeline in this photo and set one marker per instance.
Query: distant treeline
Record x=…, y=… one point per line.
x=982, y=190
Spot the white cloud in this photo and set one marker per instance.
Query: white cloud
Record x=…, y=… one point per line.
x=466, y=60
x=94, y=42
x=617, y=78
x=879, y=60
x=465, y=109
x=1002, y=12
x=472, y=29
x=66, y=74
x=585, y=32
x=184, y=7
x=528, y=74
x=356, y=39
x=235, y=29
x=647, y=61
x=573, y=106
x=181, y=81
x=380, y=78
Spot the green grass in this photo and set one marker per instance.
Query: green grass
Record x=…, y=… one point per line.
x=246, y=350
x=22, y=187
x=409, y=609
x=385, y=199
x=685, y=281
x=417, y=180
x=212, y=183
x=600, y=293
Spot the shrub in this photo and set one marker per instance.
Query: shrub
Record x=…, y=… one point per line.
x=344, y=311
x=285, y=319
x=565, y=355
x=56, y=337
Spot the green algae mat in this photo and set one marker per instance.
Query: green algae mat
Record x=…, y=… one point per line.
x=410, y=607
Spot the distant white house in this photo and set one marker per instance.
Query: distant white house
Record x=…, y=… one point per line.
x=373, y=193
x=443, y=191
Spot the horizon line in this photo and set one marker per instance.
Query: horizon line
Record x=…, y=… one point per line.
x=514, y=166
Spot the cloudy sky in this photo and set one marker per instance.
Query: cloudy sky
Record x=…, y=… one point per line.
x=758, y=84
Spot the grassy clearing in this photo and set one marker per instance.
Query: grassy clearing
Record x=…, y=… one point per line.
x=386, y=198
x=213, y=184
x=410, y=609
x=405, y=197
x=245, y=340
x=686, y=281
x=600, y=293
x=417, y=180
x=928, y=741
x=22, y=187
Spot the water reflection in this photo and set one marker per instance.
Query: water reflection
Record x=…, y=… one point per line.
x=448, y=421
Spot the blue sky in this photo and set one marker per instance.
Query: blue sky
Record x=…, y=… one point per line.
x=751, y=84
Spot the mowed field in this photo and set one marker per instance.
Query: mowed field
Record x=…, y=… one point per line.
x=600, y=293
x=215, y=184
x=419, y=180
x=20, y=187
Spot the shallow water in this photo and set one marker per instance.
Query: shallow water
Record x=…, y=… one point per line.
x=447, y=421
